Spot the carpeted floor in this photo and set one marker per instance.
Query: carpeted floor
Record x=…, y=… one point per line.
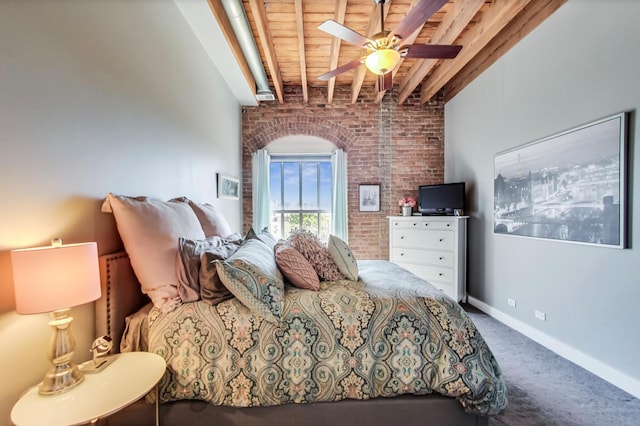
x=545, y=389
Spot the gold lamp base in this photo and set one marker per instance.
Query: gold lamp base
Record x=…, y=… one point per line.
x=64, y=374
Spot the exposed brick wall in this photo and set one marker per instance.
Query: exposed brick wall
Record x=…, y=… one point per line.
x=400, y=147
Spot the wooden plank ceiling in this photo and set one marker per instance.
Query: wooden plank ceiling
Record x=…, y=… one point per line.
x=295, y=52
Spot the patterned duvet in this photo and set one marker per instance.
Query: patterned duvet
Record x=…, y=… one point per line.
x=388, y=334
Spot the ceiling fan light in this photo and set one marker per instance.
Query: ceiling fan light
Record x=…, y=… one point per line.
x=382, y=61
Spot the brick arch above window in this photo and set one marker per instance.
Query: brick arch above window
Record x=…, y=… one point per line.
x=269, y=131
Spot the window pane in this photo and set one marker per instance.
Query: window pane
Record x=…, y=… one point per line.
x=291, y=222
x=291, y=186
x=309, y=186
x=310, y=222
x=325, y=186
x=275, y=185
x=300, y=197
x=276, y=225
x=325, y=226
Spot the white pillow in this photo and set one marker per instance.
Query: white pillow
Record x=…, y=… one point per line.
x=343, y=258
x=150, y=230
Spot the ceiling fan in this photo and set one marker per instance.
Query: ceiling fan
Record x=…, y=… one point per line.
x=385, y=48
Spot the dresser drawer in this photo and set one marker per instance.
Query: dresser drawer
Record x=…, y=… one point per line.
x=430, y=257
x=439, y=240
x=423, y=224
x=433, y=274
x=446, y=289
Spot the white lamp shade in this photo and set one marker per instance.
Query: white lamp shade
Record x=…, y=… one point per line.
x=56, y=277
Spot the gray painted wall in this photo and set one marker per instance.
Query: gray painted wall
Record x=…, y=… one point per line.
x=580, y=65
x=98, y=96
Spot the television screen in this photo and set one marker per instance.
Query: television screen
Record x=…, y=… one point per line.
x=442, y=199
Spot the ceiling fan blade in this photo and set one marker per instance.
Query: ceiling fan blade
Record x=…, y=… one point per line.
x=434, y=51
x=416, y=17
x=347, y=34
x=385, y=81
x=344, y=68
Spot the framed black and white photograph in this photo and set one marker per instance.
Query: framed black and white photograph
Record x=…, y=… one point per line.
x=369, y=197
x=228, y=187
x=570, y=186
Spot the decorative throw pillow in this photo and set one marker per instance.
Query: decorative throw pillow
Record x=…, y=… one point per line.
x=265, y=236
x=343, y=258
x=189, y=255
x=296, y=269
x=150, y=230
x=316, y=253
x=252, y=276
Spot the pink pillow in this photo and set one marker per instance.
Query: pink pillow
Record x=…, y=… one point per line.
x=316, y=253
x=213, y=222
x=296, y=269
x=150, y=230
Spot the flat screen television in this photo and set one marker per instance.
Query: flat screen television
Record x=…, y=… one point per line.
x=442, y=199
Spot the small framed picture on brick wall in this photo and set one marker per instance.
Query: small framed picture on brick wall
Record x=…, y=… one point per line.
x=369, y=197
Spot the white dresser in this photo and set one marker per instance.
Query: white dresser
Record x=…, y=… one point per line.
x=434, y=248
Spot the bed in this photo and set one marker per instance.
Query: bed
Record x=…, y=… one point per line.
x=352, y=351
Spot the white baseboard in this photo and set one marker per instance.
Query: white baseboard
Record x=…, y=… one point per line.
x=605, y=372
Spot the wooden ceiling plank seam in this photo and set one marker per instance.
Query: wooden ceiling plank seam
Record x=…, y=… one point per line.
x=531, y=16
x=262, y=25
x=227, y=30
x=301, y=50
x=452, y=25
x=372, y=28
x=492, y=22
x=409, y=40
x=340, y=12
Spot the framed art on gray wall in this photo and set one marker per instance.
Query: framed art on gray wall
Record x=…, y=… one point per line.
x=570, y=186
x=228, y=187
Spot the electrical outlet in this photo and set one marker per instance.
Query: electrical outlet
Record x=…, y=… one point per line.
x=511, y=302
x=541, y=316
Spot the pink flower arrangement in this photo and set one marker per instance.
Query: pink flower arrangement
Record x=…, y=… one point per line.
x=407, y=201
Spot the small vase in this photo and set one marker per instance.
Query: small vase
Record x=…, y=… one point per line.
x=407, y=210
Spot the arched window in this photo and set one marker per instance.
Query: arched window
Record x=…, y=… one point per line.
x=301, y=186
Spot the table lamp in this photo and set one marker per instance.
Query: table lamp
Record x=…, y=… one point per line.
x=54, y=279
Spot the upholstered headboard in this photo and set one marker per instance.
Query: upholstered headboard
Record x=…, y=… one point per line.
x=121, y=296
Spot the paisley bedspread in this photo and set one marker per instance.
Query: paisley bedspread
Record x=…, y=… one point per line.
x=388, y=334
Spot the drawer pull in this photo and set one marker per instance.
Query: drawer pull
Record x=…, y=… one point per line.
x=441, y=239
x=415, y=224
x=448, y=224
x=441, y=258
x=402, y=237
x=426, y=224
x=440, y=274
x=401, y=254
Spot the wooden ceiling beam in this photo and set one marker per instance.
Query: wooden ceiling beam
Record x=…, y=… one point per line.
x=341, y=8
x=493, y=21
x=530, y=17
x=227, y=30
x=301, y=50
x=454, y=22
x=262, y=25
